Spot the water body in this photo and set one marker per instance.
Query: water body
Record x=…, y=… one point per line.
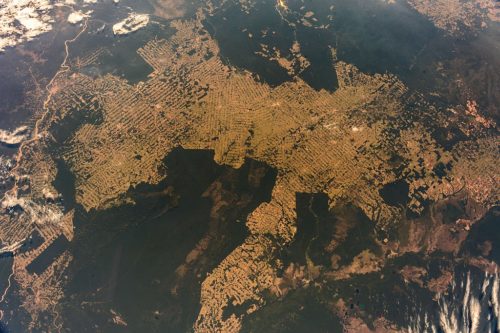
x=131, y=259
x=34, y=63
x=309, y=308
x=409, y=305
x=25, y=70
x=384, y=293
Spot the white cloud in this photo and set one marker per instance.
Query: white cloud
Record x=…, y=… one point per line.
x=23, y=20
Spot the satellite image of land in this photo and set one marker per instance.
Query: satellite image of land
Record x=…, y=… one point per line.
x=267, y=166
